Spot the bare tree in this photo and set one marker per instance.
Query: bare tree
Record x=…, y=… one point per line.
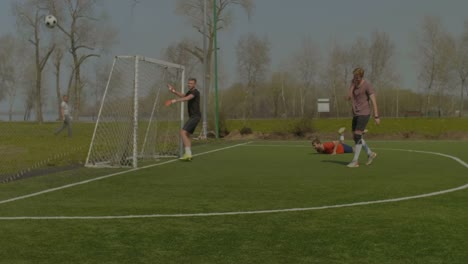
x=461, y=64
x=381, y=51
x=29, y=16
x=381, y=72
x=374, y=56
x=178, y=53
x=444, y=74
x=57, y=62
x=232, y=99
x=253, y=59
x=101, y=78
x=280, y=95
x=194, y=11
x=334, y=74
x=305, y=65
x=87, y=35
x=433, y=57
x=275, y=92
x=357, y=56
x=28, y=82
x=344, y=60
x=341, y=62
x=8, y=71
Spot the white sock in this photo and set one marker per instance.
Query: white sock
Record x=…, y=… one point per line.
x=357, y=151
x=188, y=151
x=341, y=137
x=366, y=147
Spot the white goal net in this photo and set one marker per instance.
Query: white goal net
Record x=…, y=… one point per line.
x=133, y=122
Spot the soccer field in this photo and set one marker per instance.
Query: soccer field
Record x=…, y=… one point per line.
x=248, y=202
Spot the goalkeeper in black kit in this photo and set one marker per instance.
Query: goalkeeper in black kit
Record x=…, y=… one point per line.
x=192, y=97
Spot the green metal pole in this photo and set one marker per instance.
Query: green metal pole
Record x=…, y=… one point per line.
x=215, y=39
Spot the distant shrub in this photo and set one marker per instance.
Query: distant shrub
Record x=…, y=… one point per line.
x=302, y=127
x=246, y=131
x=408, y=134
x=223, y=130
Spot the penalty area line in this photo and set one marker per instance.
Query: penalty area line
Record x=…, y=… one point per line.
x=110, y=175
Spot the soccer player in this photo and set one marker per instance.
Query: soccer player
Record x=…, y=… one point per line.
x=360, y=93
x=333, y=147
x=193, y=98
x=65, y=116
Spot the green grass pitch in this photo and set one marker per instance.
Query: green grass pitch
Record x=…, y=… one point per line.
x=260, y=175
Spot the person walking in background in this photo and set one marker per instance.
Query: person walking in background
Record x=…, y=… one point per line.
x=65, y=116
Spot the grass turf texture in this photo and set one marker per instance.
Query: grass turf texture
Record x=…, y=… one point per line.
x=24, y=145
x=258, y=176
x=27, y=145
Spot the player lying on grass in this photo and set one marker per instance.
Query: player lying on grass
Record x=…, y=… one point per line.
x=339, y=147
x=333, y=147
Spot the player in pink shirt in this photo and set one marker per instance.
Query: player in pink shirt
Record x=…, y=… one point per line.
x=362, y=94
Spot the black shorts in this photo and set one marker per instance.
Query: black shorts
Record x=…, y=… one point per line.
x=191, y=124
x=360, y=122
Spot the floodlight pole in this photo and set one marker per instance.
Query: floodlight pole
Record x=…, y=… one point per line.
x=205, y=95
x=398, y=102
x=215, y=18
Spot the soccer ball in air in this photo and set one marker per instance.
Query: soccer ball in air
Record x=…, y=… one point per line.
x=50, y=21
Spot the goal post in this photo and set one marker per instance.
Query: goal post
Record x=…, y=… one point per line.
x=133, y=124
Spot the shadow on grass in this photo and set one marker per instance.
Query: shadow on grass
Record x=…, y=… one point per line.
x=29, y=173
x=336, y=162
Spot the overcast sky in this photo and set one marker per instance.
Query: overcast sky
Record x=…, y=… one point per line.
x=153, y=25
x=286, y=22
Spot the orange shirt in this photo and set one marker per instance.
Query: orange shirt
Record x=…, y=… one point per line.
x=329, y=146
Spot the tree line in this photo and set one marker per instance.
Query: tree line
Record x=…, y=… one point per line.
x=293, y=90
x=82, y=34
x=85, y=34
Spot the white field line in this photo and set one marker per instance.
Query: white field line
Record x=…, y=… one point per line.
x=272, y=145
x=109, y=175
x=430, y=152
x=371, y=141
x=392, y=200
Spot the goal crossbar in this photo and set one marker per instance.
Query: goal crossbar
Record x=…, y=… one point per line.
x=156, y=61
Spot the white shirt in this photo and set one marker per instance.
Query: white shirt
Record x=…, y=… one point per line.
x=66, y=108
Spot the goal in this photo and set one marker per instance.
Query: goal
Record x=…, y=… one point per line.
x=133, y=124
